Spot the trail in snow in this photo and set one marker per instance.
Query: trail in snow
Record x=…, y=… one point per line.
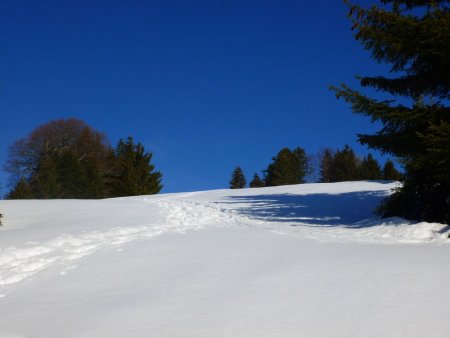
x=222, y=263
x=311, y=211
x=19, y=263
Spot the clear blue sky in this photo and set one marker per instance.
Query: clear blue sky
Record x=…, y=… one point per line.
x=204, y=85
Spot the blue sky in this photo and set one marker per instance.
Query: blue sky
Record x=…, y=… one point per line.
x=204, y=85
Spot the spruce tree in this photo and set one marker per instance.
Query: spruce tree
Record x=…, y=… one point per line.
x=22, y=190
x=370, y=169
x=413, y=37
x=61, y=159
x=288, y=167
x=68, y=159
x=238, y=180
x=93, y=182
x=390, y=173
x=70, y=176
x=134, y=173
x=256, y=182
x=345, y=165
x=45, y=182
x=326, y=165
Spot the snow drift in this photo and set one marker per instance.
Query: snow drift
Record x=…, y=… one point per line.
x=306, y=260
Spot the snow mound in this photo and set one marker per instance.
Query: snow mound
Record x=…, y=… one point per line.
x=325, y=212
x=271, y=262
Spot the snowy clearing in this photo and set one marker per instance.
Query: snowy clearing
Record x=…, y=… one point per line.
x=305, y=260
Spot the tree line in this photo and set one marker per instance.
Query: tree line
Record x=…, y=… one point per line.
x=66, y=158
x=291, y=166
x=345, y=165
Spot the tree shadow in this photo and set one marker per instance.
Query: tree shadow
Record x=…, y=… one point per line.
x=346, y=209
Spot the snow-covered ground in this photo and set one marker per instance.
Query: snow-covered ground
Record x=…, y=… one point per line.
x=293, y=261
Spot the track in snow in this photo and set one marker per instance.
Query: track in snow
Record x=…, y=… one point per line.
x=310, y=211
x=19, y=263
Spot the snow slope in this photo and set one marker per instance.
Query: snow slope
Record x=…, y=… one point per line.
x=293, y=261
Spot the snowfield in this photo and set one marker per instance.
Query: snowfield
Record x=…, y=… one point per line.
x=305, y=260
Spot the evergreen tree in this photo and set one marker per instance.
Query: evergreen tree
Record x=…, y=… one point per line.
x=21, y=190
x=413, y=36
x=345, y=165
x=61, y=159
x=256, y=182
x=238, y=180
x=70, y=176
x=93, y=182
x=370, y=169
x=326, y=165
x=288, y=167
x=134, y=173
x=68, y=159
x=51, y=140
x=390, y=173
x=45, y=182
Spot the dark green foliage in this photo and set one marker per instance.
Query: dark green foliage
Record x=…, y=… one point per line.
x=417, y=201
x=256, y=182
x=61, y=159
x=68, y=159
x=45, y=180
x=288, y=167
x=52, y=139
x=390, y=173
x=326, y=158
x=369, y=169
x=413, y=36
x=93, y=182
x=22, y=190
x=134, y=174
x=345, y=166
x=70, y=175
x=238, y=180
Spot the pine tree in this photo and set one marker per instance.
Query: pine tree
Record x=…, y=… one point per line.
x=69, y=159
x=70, y=176
x=92, y=180
x=134, y=173
x=390, y=173
x=288, y=167
x=61, y=159
x=256, y=182
x=238, y=180
x=413, y=36
x=369, y=169
x=345, y=165
x=326, y=165
x=45, y=182
x=21, y=190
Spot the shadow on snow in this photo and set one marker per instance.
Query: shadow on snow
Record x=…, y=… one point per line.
x=313, y=209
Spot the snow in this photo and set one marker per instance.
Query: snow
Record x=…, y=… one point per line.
x=305, y=260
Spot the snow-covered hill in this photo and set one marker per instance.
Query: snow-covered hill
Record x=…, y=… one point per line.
x=293, y=261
